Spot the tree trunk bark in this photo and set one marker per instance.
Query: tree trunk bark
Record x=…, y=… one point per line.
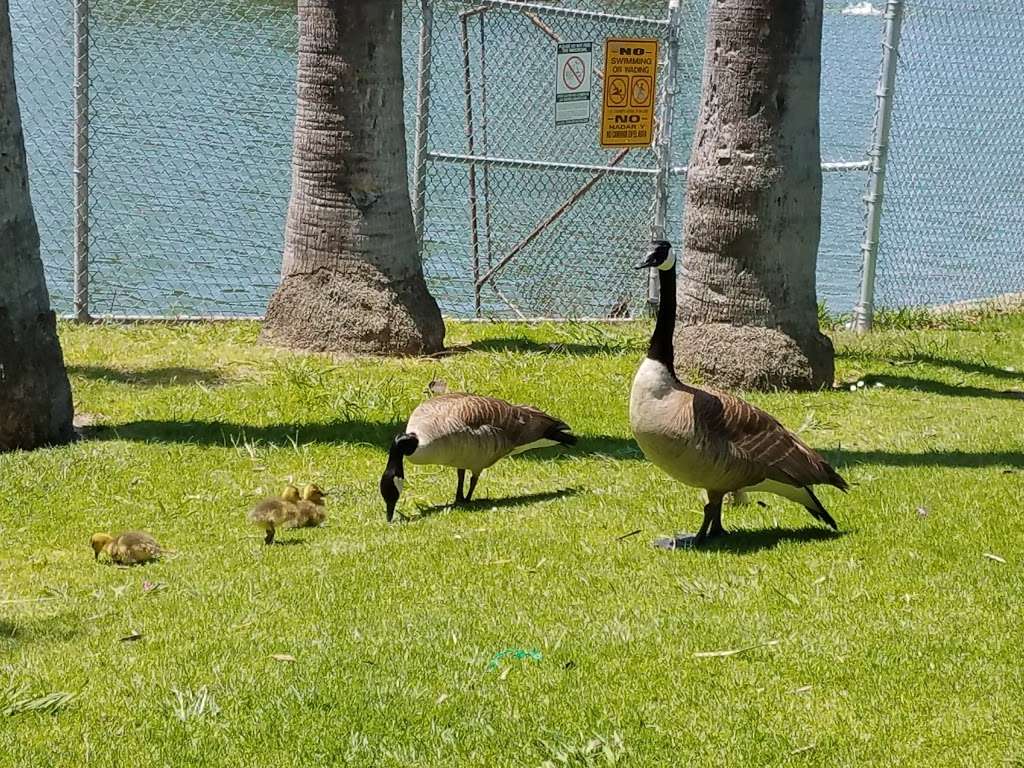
x=352, y=279
x=35, y=396
x=748, y=308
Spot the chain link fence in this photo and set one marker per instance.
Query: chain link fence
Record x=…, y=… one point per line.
x=555, y=235
x=190, y=118
x=953, y=217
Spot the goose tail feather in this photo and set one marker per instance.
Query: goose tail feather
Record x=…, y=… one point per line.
x=560, y=432
x=818, y=511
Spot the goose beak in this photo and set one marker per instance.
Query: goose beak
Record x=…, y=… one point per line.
x=651, y=260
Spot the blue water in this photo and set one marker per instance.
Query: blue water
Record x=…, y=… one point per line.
x=192, y=109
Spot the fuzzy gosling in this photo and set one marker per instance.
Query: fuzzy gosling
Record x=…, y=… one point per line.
x=128, y=548
x=310, y=510
x=275, y=512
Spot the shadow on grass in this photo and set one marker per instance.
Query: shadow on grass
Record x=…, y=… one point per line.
x=226, y=433
x=380, y=434
x=486, y=505
x=940, y=362
x=937, y=458
x=513, y=344
x=745, y=542
x=148, y=377
x=53, y=629
x=930, y=386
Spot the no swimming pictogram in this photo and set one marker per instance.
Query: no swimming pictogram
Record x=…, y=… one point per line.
x=574, y=66
x=574, y=72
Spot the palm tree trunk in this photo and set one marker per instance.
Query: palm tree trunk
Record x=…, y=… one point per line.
x=352, y=279
x=748, y=309
x=35, y=396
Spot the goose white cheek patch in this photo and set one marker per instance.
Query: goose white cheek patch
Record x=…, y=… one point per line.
x=399, y=483
x=669, y=262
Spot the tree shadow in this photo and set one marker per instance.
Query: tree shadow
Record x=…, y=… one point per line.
x=935, y=458
x=58, y=628
x=226, y=433
x=933, y=387
x=940, y=362
x=516, y=344
x=486, y=505
x=380, y=434
x=148, y=377
x=745, y=542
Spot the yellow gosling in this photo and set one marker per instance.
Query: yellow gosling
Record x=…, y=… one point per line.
x=128, y=548
x=276, y=511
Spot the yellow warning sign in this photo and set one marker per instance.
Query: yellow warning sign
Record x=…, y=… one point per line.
x=630, y=74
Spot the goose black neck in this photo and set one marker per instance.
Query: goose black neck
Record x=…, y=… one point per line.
x=661, y=349
x=395, y=461
x=402, y=446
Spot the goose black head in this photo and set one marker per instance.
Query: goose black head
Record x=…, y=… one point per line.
x=393, y=479
x=659, y=256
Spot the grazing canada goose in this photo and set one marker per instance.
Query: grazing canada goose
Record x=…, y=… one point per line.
x=310, y=510
x=276, y=511
x=710, y=439
x=128, y=548
x=467, y=432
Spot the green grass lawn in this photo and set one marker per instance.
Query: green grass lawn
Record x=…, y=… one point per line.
x=897, y=642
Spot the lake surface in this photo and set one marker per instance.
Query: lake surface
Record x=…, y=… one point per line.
x=192, y=109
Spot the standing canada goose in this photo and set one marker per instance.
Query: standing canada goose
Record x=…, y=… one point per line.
x=274, y=512
x=128, y=548
x=710, y=439
x=467, y=432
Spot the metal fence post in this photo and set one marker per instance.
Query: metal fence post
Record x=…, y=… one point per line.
x=864, y=312
x=419, y=162
x=81, y=161
x=663, y=146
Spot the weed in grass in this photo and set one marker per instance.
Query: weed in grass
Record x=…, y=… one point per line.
x=16, y=700
x=597, y=752
x=188, y=705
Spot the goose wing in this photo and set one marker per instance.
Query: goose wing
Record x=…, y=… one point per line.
x=755, y=444
x=512, y=425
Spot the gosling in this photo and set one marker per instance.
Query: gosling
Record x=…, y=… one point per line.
x=310, y=511
x=128, y=548
x=275, y=512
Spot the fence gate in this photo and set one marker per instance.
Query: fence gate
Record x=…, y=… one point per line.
x=522, y=216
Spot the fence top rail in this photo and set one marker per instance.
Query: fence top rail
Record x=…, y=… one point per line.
x=556, y=10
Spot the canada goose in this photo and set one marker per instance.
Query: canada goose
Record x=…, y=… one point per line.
x=128, y=548
x=710, y=439
x=467, y=432
x=310, y=510
x=276, y=511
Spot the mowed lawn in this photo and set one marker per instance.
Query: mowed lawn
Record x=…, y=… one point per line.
x=531, y=628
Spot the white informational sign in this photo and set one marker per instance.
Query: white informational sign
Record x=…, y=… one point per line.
x=573, y=76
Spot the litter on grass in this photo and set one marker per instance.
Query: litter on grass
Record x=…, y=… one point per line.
x=515, y=653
